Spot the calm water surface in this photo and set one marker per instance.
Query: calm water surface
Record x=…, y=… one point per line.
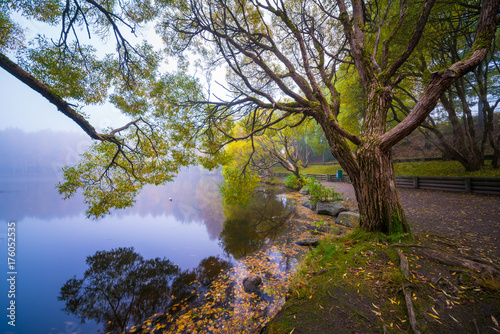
x=192, y=237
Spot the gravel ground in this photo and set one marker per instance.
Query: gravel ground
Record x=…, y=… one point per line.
x=469, y=220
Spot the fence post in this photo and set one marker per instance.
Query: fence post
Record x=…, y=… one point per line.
x=468, y=187
x=415, y=182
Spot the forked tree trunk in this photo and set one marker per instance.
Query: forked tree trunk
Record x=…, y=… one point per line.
x=376, y=192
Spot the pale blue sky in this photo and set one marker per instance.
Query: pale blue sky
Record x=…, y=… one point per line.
x=23, y=108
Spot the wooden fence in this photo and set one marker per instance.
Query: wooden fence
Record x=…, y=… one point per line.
x=321, y=177
x=479, y=185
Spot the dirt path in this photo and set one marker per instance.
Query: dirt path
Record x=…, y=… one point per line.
x=470, y=221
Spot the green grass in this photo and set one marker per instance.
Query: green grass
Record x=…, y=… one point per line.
x=313, y=169
x=442, y=168
x=344, y=273
x=424, y=168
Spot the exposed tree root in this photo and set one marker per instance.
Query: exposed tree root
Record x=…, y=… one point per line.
x=407, y=292
x=411, y=311
x=403, y=264
x=460, y=261
x=466, y=261
x=407, y=245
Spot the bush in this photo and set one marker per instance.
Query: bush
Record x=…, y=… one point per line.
x=273, y=182
x=291, y=181
x=319, y=192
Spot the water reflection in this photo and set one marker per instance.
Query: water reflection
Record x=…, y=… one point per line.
x=120, y=288
x=195, y=198
x=247, y=229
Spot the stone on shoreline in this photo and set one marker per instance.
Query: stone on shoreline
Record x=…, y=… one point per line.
x=251, y=283
x=308, y=242
x=349, y=219
x=330, y=208
x=304, y=191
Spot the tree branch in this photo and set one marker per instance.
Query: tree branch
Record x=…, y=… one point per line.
x=53, y=98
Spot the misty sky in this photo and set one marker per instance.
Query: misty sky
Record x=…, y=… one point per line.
x=23, y=108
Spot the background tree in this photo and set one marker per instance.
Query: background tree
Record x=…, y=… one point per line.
x=469, y=132
x=316, y=140
x=253, y=158
x=285, y=146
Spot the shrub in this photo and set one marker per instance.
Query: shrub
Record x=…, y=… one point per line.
x=319, y=192
x=274, y=181
x=291, y=181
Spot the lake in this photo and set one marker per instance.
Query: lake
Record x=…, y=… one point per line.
x=159, y=257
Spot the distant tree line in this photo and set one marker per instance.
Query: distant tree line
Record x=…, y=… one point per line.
x=36, y=153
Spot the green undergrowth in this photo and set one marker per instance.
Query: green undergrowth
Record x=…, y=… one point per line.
x=421, y=168
x=354, y=284
x=273, y=182
x=351, y=283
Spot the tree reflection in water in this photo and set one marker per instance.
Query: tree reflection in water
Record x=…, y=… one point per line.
x=120, y=288
x=248, y=229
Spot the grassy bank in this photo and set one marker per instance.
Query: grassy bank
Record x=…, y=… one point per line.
x=343, y=273
x=424, y=168
x=353, y=284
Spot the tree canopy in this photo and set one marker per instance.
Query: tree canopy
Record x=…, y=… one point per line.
x=283, y=58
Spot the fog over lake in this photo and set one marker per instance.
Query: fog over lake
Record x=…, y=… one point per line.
x=193, y=231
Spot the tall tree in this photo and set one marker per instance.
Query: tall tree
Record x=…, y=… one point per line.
x=285, y=56
x=282, y=57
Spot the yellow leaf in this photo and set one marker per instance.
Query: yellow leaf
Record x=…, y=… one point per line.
x=432, y=315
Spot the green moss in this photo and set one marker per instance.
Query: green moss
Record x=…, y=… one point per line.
x=483, y=40
x=397, y=225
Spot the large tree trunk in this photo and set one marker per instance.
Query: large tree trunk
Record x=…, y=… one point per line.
x=376, y=192
x=372, y=174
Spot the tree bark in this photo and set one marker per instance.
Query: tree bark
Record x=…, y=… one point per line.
x=376, y=192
